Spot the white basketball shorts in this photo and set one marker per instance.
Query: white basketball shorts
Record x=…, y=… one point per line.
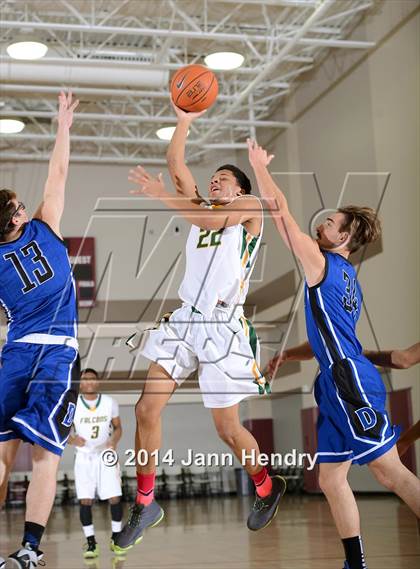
x=224, y=349
x=93, y=477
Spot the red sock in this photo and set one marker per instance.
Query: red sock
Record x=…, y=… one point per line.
x=263, y=483
x=145, y=488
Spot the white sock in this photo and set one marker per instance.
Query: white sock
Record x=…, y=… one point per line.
x=88, y=530
x=116, y=526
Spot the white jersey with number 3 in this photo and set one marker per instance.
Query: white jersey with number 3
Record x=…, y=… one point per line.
x=218, y=266
x=92, y=421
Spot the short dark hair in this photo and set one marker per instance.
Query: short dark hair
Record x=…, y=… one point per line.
x=242, y=179
x=89, y=370
x=7, y=207
x=363, y=225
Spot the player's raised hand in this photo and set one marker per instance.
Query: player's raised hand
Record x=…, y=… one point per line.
x=66, y=107
x=257, y=155
x=184, y=115
x=147, y=185
x=274, y=364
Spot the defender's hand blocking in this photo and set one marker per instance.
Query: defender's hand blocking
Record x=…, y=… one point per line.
x=257, y=155
x=147, y=184
x=66, y=107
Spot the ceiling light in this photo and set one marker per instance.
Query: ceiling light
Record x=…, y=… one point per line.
x=224, y=60
x=27, y=50
x=165, y=133
x=11, y=126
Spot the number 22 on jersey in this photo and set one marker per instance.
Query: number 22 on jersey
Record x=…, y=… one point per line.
x=209, y=238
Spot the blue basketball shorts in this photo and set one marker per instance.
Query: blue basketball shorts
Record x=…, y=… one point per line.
x=353, y=423
x=39, y=384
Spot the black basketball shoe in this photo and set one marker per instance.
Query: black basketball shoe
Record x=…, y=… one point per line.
x=264, y=509
x=140, y=518
x=24, y=558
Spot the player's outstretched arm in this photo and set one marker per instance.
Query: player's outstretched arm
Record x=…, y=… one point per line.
x=302, y=245
x=241, y=210
x=52, y=206
x=396, y=359
x=298, y=353
x=180, y=173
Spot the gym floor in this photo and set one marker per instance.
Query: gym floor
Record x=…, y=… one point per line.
x=206, y=533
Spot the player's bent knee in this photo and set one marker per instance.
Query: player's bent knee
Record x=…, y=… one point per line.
x=114, y=500
x=383, y=477
x=385, y=481
x=147, y=413
x=41, y=455
x=387, y=470
x=330, y=481
x=226, y=432
x=324, y=482
x=86, y=502
x=4, y=473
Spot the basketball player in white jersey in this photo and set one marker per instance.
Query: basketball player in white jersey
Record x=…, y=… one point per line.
x=96, y=427
x=209, y=333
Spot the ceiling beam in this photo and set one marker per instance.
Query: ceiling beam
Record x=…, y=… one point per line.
x=82, y=158
x=286, y=3
x=349, y=12
x=265, y=72
x=91, y=71
x=118, y=140
x=139, y=119
x=187, y=34
x=97, y=92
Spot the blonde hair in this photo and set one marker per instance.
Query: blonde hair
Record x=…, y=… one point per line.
x=363, y=225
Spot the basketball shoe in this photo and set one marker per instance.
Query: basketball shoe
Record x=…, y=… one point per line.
x=90, y=549
x=24, y=558
x=264, y=509
x=140, y=518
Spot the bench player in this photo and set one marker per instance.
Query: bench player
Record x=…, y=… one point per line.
x=209, y=333
x=353, y=424
x=39, y=371
x=96, y=427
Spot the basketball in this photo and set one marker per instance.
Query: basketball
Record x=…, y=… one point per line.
x=194, y=88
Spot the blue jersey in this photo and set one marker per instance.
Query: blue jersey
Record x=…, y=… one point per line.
x=332, y=309
x=37, y=289
x=353, y=423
